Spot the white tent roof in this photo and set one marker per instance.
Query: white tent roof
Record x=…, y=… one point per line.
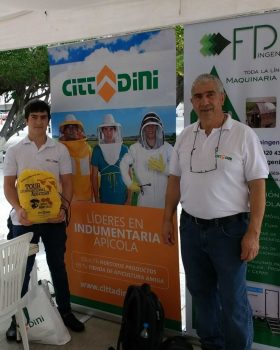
x=25, y=23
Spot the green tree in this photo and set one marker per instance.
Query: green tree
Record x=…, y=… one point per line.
x=24, y=74
x=179, y=63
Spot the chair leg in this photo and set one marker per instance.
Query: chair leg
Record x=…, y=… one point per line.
x=22, y=328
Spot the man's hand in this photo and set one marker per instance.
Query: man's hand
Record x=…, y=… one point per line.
x=60, y=217
x=250, y=242
x=22, y=217
x=249, y=246
x=168, y=232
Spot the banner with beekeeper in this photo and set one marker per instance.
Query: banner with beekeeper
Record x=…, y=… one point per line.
x=113, y=106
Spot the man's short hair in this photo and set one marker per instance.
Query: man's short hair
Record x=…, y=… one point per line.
x=36, y=106
x=203, y=78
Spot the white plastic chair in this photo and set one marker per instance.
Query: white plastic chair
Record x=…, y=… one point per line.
x=13, y=259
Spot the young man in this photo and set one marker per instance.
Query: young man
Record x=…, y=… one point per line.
x=38, y=151
x=217, y=172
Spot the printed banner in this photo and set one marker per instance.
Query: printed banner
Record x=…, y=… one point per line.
x=113, y=107
x=111, y=248
x=244, y=53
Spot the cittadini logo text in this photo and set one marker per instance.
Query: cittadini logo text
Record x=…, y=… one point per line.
x=36, y=321
x=106, y=83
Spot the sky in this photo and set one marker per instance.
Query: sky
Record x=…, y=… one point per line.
x=139, y=42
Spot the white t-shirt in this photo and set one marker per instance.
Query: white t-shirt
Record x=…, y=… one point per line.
x=52, y=156
x=224, y=191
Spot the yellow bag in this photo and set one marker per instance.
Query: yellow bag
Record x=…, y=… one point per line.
x=38, y=195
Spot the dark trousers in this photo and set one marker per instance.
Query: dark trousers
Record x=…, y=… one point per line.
x=54, y=239
x=216, y=279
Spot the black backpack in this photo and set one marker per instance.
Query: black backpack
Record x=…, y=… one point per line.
x=142, y=324
x=177, y=342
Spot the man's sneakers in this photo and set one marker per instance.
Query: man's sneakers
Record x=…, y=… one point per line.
x=11, y=333
x=69, y=320
x=72, y=322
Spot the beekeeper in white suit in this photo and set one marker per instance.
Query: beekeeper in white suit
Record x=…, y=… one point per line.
x=149, y=160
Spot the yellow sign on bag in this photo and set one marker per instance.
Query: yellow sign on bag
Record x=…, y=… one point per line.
x=38, y=195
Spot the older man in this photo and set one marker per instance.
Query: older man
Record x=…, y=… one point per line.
x=217, y=172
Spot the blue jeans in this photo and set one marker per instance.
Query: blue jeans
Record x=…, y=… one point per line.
x=54, y=239
x=216, y=279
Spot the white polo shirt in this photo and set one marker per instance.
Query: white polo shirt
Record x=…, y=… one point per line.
x=224, y=191
x=52, y=156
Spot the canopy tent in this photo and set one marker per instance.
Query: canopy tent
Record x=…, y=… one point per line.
x=26, y=23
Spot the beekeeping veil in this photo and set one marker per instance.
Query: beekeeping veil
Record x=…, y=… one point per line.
x=151, y=118
x=110, y=151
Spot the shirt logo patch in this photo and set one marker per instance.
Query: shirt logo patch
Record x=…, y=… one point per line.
x=51, y=160
x=223, y=157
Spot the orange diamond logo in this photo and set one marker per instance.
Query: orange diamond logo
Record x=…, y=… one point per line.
x=106, y=72
x=106, y=91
